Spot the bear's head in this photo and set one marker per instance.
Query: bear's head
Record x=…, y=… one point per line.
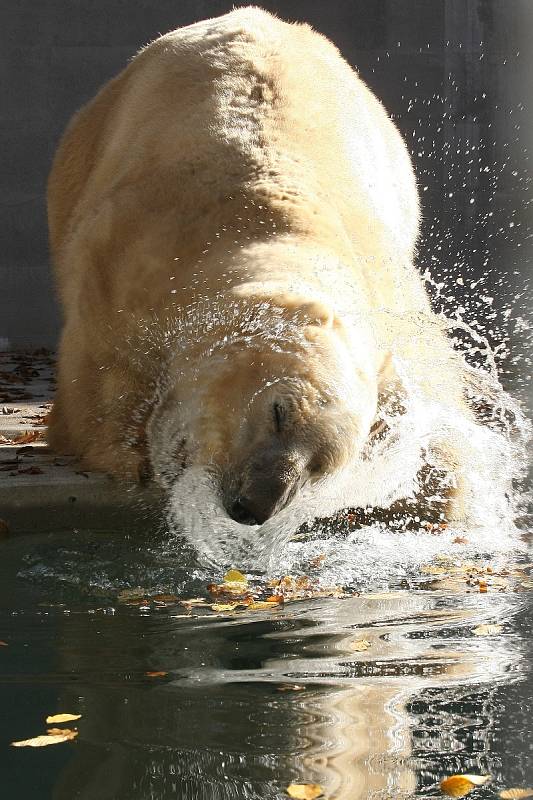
x=266, y=413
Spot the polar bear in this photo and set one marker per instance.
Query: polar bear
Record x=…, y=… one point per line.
x=233, y=222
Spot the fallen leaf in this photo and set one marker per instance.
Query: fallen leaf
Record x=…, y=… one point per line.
x=156, y=674
x=127, y=595
x=47, y=739
x=515, y=794
x=275, y=598
x=62, y=718
x=460, y=540
x=459, y=785
x=487, y=630
x=165, y=599
x=4, y=529
x=224, y=606
x=317, y=561
x=483, y=587
x=56, y=731
x=359, y=645
x=260, y=605
x=3, y=644
x=302, y=588
x=27, y=437
x=238, y=589
x=234, y=576
x=304, y=791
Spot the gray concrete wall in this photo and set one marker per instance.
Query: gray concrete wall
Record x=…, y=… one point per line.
x=54, y=54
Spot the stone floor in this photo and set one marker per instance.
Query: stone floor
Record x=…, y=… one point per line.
x=40, y=490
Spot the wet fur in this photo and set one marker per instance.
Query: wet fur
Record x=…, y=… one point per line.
x=240, y=158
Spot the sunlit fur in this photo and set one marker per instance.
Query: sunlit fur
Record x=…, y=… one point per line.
x=236, y=163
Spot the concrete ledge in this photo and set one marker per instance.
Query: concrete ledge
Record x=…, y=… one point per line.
x=41, y=491
x=45, y=493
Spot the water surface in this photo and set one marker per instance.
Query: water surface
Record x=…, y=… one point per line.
x=252, y=701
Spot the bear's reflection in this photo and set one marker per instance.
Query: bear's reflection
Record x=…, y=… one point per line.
x=249, y=705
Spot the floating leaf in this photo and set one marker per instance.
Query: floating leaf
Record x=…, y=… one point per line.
x=515, y=794
x=487, y=630
x=62, y=718
x=234, y=576
x=459, y=785
x=156, y=674
x=483, y=587
x=129, y=595
x=3, y=644
x=260, y=605
x=224, y=606
x=304, y=791
x=359, y=645
x=165, y=599
x=66, y=735
x=275, y=598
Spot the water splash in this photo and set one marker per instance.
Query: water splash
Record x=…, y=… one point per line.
x=495, y=439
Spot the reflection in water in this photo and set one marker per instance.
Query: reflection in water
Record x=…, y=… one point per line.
x=253, y=701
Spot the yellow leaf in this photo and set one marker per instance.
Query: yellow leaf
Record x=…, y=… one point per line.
x=487, y=630
x=234, y=576
x=359, y=644
x=459, y=785
x=62, y=718
x=304, y=791
x=260, y=605
x=516, y=794
x=47, y=739
x=224, y=606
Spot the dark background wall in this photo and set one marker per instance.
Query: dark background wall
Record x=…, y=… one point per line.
x=453, y=73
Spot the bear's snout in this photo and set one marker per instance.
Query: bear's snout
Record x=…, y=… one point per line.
x=267, y=486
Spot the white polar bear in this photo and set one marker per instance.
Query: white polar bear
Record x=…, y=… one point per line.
x=233, y=222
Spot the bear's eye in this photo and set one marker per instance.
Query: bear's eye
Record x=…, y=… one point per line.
x=280, y=415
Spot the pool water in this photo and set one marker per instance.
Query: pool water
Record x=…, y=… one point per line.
x=181, y=702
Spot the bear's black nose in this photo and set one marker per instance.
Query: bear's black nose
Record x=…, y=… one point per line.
x=241, y=511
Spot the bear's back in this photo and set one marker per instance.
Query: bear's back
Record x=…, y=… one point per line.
x=241, y=103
